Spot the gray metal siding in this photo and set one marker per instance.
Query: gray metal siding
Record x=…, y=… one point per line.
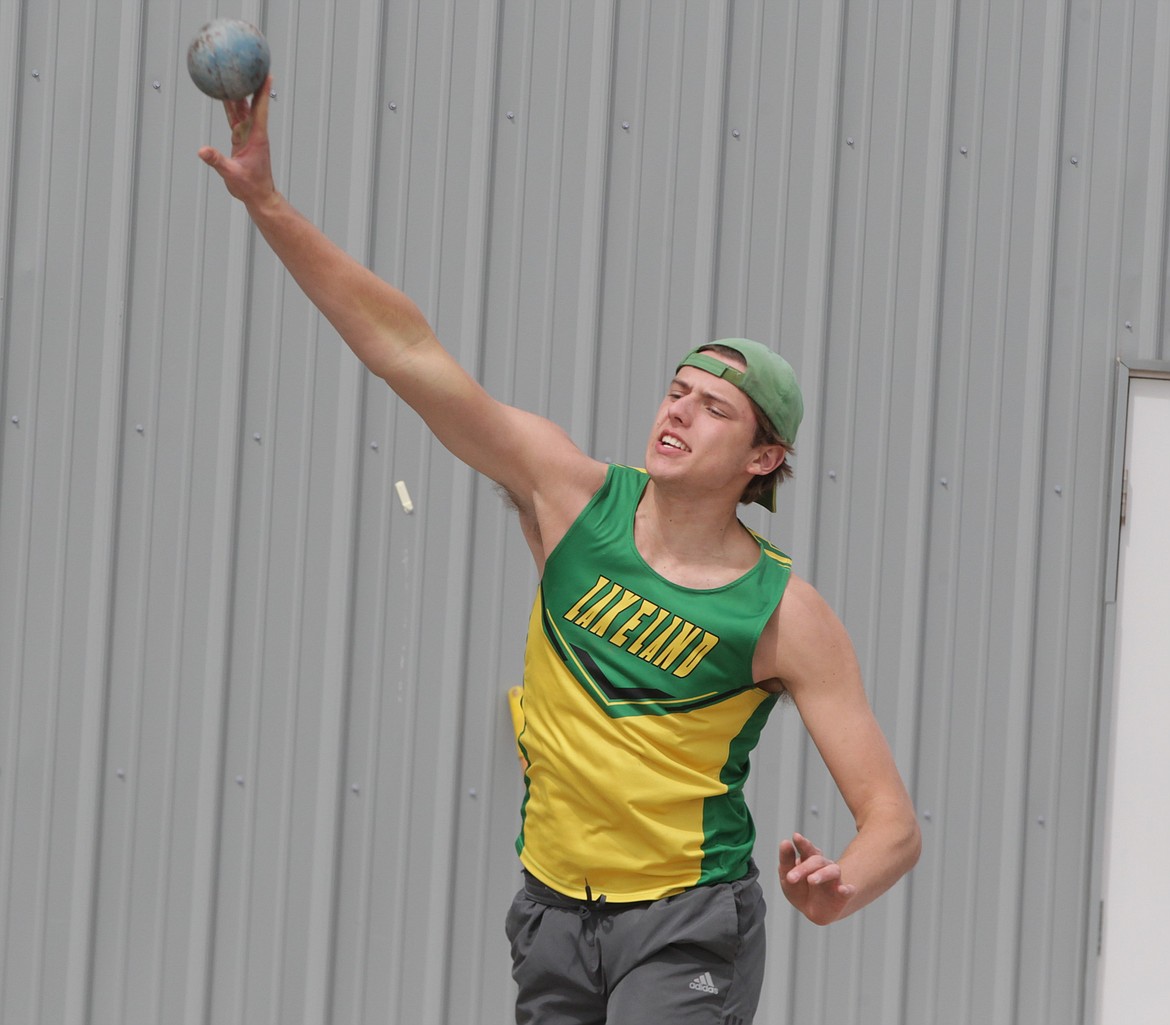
x=255, y=758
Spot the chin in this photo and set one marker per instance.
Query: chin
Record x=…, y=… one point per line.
x=658, y=465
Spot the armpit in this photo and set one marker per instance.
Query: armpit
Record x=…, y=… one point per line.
x=529, y=525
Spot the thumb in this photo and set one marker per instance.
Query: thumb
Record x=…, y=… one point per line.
x=221, y=165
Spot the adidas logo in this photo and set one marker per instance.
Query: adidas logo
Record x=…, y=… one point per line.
x=705, y=984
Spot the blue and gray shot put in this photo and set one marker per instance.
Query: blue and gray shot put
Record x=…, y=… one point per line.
x=228, y=59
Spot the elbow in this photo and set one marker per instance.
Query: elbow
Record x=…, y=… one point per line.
x=911, y=841
x=903, y=838
x=915, y=847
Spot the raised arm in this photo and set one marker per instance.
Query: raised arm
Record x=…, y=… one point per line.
x=813, y=658
x=532, y=458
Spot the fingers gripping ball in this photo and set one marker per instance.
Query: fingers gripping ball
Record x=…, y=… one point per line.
x=228, y=59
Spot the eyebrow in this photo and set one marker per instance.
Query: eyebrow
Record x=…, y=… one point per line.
x=706, y=393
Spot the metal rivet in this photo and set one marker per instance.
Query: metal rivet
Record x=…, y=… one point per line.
x=355, y=788
x=625, y=126
x=1040, y=821
x=239, y=781
x=1073, y=161
x=963, y=150
x=735, y=132
x=511, y=116
x=121, y=774
x=814, y=810
x=139, y=428
x=393, y=105
x=255, y=437
x=832, y=475
x=1058, y=489
x=849, y=141
x=1129, y=325
x=374, y=445
x=36, y=74
x=272, y=95
x=472, y=793
x=16, y=419
x=943, y=481
x=156, y=85
x=926, y=815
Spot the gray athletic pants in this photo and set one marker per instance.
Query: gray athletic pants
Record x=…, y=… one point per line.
x=693, y=959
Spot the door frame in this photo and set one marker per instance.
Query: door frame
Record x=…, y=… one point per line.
x=1127, y=372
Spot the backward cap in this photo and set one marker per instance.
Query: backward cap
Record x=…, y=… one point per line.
x=768, y=380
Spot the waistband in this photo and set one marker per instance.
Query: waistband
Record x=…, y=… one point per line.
x=537, y=891
x=541, y=893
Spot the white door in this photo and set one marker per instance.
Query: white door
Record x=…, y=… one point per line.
x=1134, y=981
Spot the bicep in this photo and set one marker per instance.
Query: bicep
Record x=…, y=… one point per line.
x=821, y=672
x=533, y=459
x=509, y=445
x=855, y=752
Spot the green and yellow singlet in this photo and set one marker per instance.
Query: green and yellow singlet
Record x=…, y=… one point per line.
x=640, y=713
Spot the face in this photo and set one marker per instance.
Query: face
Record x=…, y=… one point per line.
x=704, y=432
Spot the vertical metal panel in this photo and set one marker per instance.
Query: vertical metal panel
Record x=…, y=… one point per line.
x=255, y=762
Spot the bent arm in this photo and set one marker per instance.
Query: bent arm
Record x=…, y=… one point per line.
x=532, y=458
x=819, y=669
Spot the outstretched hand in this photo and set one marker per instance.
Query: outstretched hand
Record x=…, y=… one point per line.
x=811, y=882
x=247, y=173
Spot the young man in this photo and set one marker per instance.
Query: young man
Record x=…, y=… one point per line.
x=662, y=634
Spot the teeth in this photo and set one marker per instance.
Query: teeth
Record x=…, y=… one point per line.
x=673, y=442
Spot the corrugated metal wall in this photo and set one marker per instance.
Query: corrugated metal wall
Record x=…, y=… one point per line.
x=255, y=759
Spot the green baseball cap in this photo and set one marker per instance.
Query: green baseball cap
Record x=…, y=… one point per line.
x=768, y=381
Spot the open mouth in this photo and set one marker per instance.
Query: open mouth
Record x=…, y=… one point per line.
x=670, y=441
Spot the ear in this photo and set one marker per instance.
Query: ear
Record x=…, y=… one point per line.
x=766, y=459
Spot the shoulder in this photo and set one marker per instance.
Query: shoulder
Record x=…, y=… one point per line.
x=802, y=607
x=564, y=490
x=777, y=562
x=805, y=643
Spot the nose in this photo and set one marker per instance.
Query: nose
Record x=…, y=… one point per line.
x=679, y=409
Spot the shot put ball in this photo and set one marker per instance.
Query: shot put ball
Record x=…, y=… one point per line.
x=228, y=59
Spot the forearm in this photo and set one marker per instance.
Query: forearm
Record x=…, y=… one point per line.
x=379, y=322
x=385, y=329
x=885, y=848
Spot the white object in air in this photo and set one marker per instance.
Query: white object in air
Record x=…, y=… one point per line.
x=404, y=496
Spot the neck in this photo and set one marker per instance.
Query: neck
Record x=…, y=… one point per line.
x=692, y=542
